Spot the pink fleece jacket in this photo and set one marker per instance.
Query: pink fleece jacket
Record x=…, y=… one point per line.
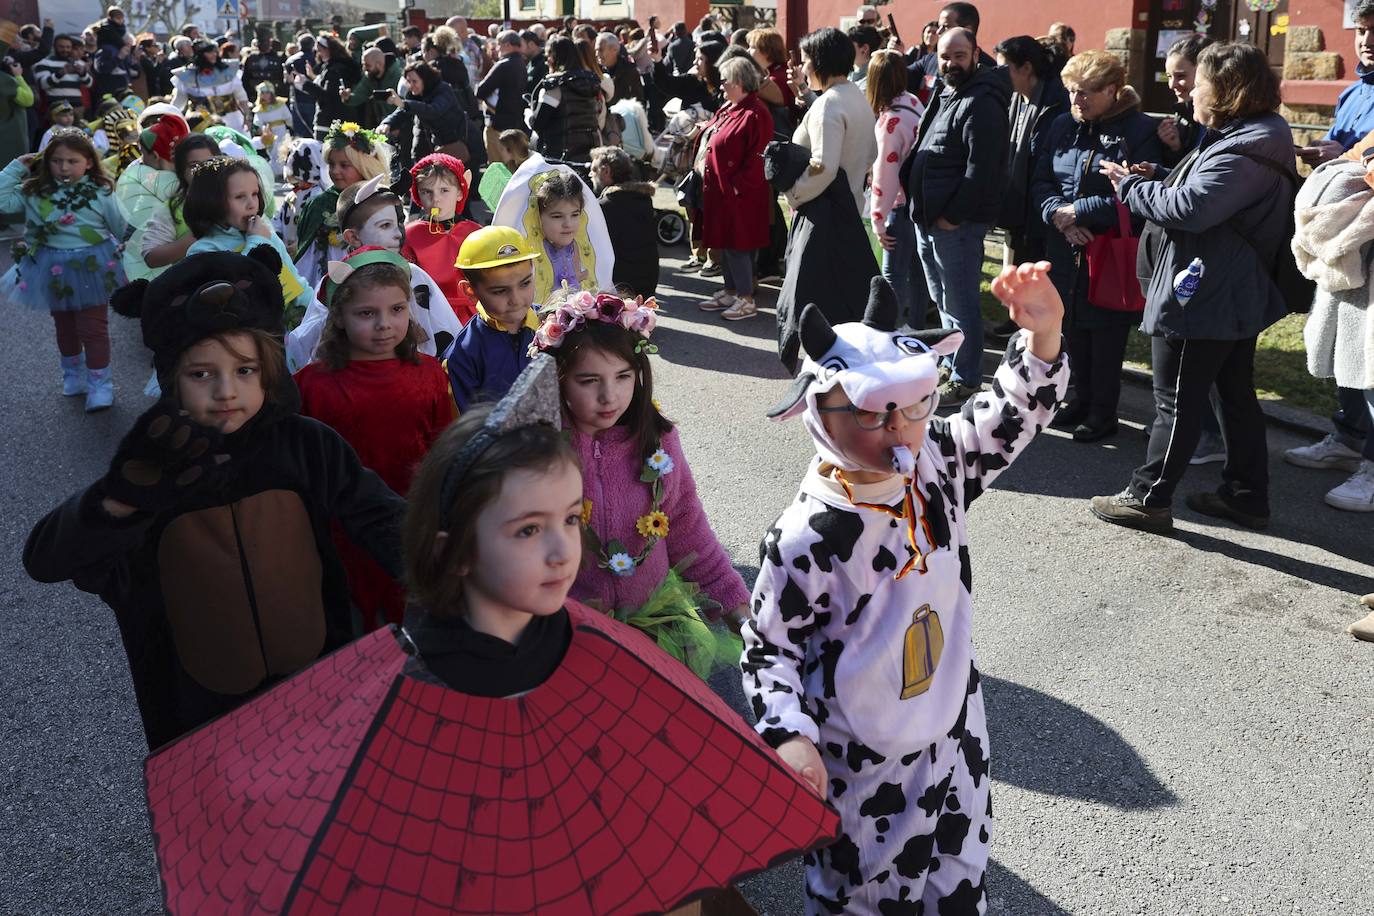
x=611, y=465
x=896, y=132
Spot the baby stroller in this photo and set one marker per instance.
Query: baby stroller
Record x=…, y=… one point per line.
x=672, y=157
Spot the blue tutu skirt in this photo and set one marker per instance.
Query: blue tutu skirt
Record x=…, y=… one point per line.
x=64, y=280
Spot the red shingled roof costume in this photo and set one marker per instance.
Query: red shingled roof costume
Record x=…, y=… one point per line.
x=434, y=244
x=621, y=784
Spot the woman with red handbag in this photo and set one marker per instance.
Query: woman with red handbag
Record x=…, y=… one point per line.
x=1091, y=239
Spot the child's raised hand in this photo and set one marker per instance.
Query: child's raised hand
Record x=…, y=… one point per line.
x=258, y=226
x=1034, y=304
x=165, y=456
x=801, y=755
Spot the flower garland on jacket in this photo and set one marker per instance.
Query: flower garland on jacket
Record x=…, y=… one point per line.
x=640, y=316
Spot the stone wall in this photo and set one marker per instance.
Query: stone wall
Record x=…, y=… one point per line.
x=1305, y=56
x=1128, y=45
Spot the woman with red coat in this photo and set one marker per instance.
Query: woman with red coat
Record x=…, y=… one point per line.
x=735, y=194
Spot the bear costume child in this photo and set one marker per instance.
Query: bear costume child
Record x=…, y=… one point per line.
x=223, y=576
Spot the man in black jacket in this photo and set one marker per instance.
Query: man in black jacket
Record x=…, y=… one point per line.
x=954, y=179
x=502, y=90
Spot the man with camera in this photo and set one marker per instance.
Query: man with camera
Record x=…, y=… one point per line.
x=63, y=74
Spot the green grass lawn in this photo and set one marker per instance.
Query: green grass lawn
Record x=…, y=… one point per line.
x=1280, y=359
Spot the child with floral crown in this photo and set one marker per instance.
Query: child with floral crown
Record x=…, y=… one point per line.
x=272, y=120
x=858, y=656
x=370, y=216
x=650, y=548
x=351, y=154
x=439, y=186
x=372, y=385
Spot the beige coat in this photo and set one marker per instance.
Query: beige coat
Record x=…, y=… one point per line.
x=838, y=129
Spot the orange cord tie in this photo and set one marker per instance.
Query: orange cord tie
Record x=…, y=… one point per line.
x=910, y=496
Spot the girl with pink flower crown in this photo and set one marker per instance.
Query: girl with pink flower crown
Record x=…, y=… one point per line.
x=67, y=263
x=651, y=557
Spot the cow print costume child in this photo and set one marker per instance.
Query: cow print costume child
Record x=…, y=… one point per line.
x=859, y=643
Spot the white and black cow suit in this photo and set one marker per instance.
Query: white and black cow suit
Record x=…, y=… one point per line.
x=860, y=637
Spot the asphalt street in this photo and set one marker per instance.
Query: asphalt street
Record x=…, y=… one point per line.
x=1179, y=724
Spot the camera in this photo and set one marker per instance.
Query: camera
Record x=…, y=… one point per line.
x=381, y=95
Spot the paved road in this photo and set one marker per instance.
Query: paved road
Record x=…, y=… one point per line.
x=1179, y=724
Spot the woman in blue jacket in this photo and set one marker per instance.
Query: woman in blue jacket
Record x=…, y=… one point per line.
x=1230, y=205
x=1077, y=203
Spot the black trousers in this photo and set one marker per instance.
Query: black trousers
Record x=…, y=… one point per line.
x=1185, y=371
x=1095, y=355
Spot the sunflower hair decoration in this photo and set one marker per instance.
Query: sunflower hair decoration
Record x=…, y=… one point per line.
x=343, y=134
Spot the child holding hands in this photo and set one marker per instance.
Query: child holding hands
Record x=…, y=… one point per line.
x=858, y=654
x=372, y=385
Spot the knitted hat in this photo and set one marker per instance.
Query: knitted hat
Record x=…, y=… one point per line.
x=454, y=165
x=194, y=299
x=163, y=136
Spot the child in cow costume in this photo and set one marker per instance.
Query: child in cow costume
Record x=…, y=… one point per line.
x=858, y=654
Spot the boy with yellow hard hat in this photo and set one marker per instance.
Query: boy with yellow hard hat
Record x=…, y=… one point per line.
x=497, y=266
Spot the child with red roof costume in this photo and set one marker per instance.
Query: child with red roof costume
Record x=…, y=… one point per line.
x=439, y=185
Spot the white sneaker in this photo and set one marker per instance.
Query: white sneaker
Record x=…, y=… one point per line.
x=1357, y=493
x=1328, y=454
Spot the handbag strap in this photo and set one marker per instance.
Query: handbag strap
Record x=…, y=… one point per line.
x=1123, y=219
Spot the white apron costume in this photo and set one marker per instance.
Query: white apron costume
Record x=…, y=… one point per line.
x=860, y=637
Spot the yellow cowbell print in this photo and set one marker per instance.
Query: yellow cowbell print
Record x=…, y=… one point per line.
x=925, y=640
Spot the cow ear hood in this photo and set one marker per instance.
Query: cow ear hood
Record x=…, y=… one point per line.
x=882, y=312
x=879, y=365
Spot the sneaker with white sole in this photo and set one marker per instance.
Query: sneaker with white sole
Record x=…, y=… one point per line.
x=1357, y=493
x=742, y=309
x=1328, y=454
x=718, y=303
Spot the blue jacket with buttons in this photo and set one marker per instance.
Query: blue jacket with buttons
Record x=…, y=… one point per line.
x=485, y=359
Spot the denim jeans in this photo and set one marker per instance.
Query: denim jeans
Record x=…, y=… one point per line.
x=953, y=263
x=1354, y=419
x=902, y=269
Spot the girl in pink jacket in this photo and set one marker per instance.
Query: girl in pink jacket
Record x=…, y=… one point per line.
x=652, y=559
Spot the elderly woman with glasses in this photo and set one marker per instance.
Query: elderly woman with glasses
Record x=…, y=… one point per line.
x=1078, y=204
x=735, y=194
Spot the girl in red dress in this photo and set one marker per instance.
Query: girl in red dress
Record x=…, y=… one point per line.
x=372, y=385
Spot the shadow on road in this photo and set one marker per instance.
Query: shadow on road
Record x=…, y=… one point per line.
x=1043, y=744
x=1010, y=895
x=1317, y=573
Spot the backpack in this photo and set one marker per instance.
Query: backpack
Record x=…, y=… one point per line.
x=1297, y=291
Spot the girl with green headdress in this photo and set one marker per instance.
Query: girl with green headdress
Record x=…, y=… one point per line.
x=352, y=154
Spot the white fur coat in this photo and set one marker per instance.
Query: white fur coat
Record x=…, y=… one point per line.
x=1334, y=227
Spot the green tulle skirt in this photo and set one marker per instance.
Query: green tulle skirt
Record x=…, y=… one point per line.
x=672, y=617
